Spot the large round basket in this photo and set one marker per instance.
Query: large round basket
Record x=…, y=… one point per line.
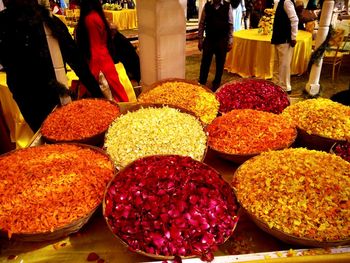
x=240, y=158
x=253, y=181
x=139, y=106
x=314, y=141
x=206, y=108
x=139, y=163
x=92, y=138
x=290, y=239
x=264, y=95
x=52, y=233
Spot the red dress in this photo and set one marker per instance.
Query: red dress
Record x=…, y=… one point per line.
x=100, y=58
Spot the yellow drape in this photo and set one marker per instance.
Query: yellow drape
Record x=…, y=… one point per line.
x=252, y=54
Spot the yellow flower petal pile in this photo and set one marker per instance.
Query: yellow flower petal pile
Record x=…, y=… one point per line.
x=305, y=193
x=321, y=117
x=191, y=97
x=152, y=131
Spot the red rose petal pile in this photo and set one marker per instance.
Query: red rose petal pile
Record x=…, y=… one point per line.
x=342, y=149
x=172, y=206
x=256, y=94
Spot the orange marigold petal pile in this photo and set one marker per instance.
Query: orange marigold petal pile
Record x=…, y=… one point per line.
x=79, y=120
x=304, y=193
x=249, y=131
x=46, y=187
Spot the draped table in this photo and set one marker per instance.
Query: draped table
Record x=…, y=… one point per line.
x=20, y=132
x=252, y=54
x=122, y=19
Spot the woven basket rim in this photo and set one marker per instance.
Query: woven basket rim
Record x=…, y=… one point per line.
x=279, y=234
x=155, y=256
x=64, y=230
x=92, y=139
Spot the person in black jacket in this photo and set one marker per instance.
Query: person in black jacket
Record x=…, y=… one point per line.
x=217, y=23
x=285, y=29
x=26, y=59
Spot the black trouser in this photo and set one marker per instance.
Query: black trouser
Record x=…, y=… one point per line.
x=217, y=47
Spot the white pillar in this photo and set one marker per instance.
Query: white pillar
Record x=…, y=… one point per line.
x=162, y=39
x=313, y=86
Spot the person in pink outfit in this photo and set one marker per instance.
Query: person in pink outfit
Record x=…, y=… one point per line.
x=94, y=37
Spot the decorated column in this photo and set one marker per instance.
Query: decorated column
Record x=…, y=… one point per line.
x=162, y=39
x=313, y=86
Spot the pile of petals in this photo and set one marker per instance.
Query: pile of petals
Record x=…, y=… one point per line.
x=151, y=131
x=250, y=132
x=193, y=98
x=342, y=149
x=256, y=94
x=172, y=206
x=304, y=193
x=46, y=187
x=79, y=120
x=321, y=117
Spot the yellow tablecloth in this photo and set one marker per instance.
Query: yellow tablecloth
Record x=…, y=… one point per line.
x=252, y=54
x=123, y=19
x=20, y=131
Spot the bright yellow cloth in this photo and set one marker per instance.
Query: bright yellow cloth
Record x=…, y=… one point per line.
x=20, y=132
x=123, y=77
x=252, y=54
x=123, y=19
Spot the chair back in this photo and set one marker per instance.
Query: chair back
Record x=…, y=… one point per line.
x=337, y=38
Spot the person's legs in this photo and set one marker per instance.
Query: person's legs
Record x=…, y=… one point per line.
x=285, y=61
x=220, y=57
x=285, y=53
x=207, y=55
x=275, y=74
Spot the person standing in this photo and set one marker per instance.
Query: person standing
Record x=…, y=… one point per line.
x=25, y=56
x=217, y=23
x=285, y=29
x=94, y=37
x=239, y=11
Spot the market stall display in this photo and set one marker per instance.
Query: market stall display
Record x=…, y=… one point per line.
x=256, y=94
x=185, y=94
x=196, y=209
x=321, y=122
x=241, y=134
x=83, y=121
x=51, y=191
x=300, y=196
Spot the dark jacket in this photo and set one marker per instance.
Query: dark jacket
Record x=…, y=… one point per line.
x=281, y=26
x=216, y=23
x=25, y=55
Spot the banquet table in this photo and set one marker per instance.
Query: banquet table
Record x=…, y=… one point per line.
x=252, y=54
x=123, y=19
